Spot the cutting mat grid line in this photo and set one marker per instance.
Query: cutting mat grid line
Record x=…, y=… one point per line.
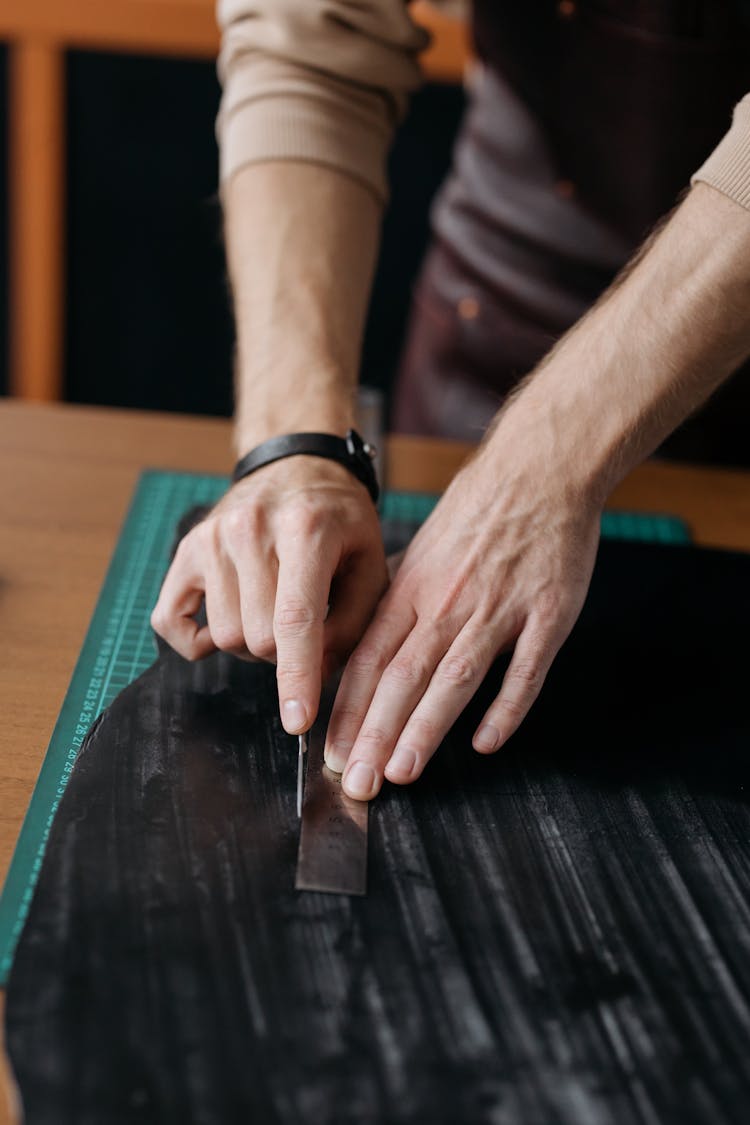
x=161, y=499
x=119, y=646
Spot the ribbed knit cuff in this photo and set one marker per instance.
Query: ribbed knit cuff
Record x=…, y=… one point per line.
x=297, y=127
x=728, y=166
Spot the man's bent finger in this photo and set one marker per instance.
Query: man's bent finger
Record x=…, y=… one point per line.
x=454, y=681
x=531, y=660
x=398, y=694
x=173, y=617
x=354, y=598
x=223, y=606
x=382, y=640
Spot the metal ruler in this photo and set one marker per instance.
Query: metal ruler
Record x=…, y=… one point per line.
x=119, y=646
x=333, y=837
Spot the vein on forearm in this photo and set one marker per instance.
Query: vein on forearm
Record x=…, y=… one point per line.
x=301, y=242
x=661, y=339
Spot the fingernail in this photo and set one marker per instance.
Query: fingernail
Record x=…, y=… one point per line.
x=401, y=764
x=360, y=781
x=336, y=756
x=294, y=716
x=486, y=738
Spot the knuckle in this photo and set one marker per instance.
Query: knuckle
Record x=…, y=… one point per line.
x=202, y=535
x=514, y=709
x=458, y=670
x=292, y=673
x=528, y=676
x=311, y=521
x=183, y=548
x=367, y=659
x=407, y=670
x=423, y=733
x=241, y=525
x=304, y=516
x=159, y=620
x=450, y=596
x=262, y=645
x=548, y=608
x=293, y=617
x=373, y=739
x=227, y=636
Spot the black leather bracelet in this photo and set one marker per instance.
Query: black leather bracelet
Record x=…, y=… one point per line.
x=351, y=451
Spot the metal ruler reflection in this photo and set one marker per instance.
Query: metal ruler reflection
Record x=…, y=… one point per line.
x=332, y=853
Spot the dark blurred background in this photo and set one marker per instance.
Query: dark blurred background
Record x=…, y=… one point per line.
x=148, y=322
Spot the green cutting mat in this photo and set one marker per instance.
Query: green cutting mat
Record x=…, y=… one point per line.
x=119, y=646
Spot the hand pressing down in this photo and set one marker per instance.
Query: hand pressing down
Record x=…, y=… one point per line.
x=504, y=562
x=290, y=563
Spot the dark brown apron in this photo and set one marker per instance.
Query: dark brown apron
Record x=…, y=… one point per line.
x=586, y=121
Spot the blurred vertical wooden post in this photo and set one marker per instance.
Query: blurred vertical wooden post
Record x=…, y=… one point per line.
x=449, y=53
x=36, y=205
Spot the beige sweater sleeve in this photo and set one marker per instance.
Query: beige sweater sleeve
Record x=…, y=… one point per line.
x=728, y=166
x=322, y=81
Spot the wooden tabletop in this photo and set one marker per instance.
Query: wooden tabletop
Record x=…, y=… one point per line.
x=66, y=475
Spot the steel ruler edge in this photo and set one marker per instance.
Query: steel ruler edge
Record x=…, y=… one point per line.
x=119, y=646
x=332, y=853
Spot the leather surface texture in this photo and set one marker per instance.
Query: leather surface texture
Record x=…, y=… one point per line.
x=558, y=934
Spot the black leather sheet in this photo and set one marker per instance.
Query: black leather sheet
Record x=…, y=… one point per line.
x=557, y=934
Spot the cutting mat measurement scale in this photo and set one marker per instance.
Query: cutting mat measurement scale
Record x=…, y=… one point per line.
x=119, y=646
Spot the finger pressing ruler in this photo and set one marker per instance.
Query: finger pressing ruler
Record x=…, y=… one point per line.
x=119, y=647
x=332, y=853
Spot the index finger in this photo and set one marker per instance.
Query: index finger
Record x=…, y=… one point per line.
x=180, y=599
x=302, y=592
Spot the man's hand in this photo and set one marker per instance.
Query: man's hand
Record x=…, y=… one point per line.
x=301, y=534
x=507, y=556
x=505, y=560
x=290, y=563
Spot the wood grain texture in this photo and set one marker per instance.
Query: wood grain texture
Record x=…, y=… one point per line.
x=558, y=934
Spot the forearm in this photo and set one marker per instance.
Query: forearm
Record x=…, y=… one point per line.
x=648, y=354
x=301, y=246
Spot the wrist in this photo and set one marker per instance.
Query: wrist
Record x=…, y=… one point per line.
x=546, y=436
x=263, y=429
x=650, y=352
x=351, y=452
x=309, y=404
x=297, y=474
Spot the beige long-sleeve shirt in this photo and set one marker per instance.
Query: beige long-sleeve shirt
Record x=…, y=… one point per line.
x=326, y=81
